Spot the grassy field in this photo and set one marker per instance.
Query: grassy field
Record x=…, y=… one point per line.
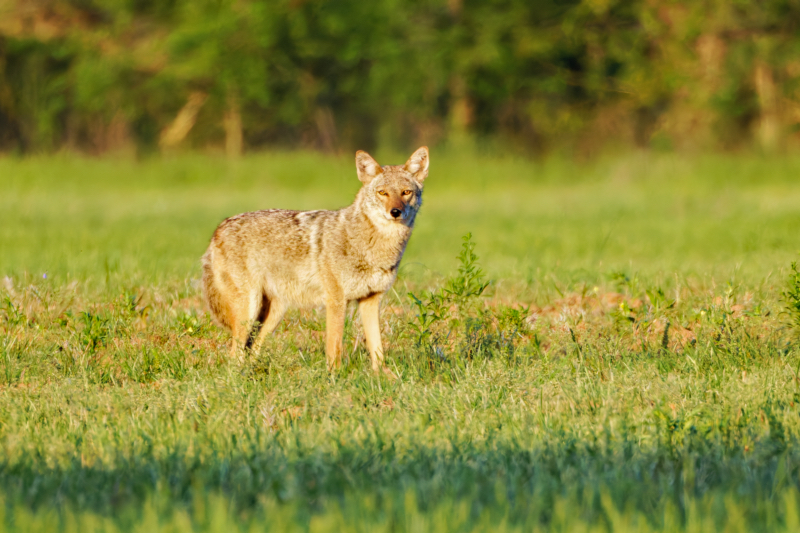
x=630, y=366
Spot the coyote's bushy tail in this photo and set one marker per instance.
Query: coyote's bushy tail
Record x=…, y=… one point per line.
x=213, y=297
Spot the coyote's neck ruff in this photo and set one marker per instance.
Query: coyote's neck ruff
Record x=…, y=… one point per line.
x=262, y=263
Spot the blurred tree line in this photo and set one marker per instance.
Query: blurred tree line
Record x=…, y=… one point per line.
x=106, y=75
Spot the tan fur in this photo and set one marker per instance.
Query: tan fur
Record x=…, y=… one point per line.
x=260, y=264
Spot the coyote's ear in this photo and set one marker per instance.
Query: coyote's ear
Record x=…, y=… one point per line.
x=366, y=167
x=417, y=164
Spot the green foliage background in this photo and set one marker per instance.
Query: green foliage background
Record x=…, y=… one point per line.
x=101, y=75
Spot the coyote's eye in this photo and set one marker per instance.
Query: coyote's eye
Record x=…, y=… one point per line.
x=383, y=193
x=406, y=192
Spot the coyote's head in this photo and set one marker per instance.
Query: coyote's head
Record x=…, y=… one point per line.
x=393, y=192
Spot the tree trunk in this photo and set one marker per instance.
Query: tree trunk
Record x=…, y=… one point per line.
x=326, y=128
x=233, y=127
x=176, y=132
x=461, y=114
x=768, y=129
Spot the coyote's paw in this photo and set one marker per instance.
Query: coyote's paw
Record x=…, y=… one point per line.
x=386, y=372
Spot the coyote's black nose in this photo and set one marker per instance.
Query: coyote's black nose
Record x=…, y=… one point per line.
x=395, y=212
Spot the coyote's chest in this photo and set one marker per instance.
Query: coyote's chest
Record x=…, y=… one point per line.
x=367, y=267
x=355, y=265
x=364, y=279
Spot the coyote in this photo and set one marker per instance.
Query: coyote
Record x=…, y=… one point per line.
x=260, y=264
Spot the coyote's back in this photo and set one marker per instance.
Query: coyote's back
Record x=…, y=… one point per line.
x=272, y=252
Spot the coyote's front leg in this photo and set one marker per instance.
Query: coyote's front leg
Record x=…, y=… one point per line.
x=335, y=306
x=369, y=309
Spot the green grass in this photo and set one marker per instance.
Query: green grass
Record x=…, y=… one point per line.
x=630, y=367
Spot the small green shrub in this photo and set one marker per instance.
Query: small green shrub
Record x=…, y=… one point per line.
x=449, y=316
x=95, y=332
x=464, y=289
x=791, y=298
x=13, y=316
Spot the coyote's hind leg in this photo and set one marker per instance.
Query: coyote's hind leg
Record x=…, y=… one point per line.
x=245, y=311
x=272, y=312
